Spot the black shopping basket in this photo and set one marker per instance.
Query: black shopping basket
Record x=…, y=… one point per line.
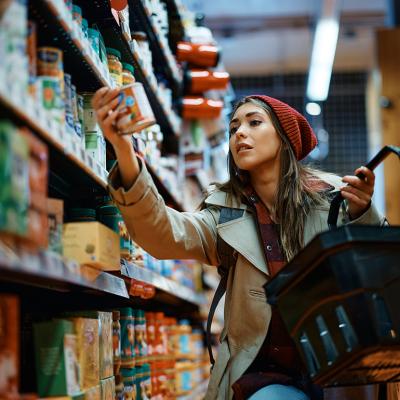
x=340, y=300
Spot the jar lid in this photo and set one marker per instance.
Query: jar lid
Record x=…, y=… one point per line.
x=82, y=212
x=76, y=9
x=128, y=67
x=113, y=52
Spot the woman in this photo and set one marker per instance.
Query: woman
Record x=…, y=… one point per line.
x=283, y=206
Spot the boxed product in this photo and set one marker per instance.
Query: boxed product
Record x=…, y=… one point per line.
x=57, y=367
x=55, y=217
x=95, y=146
x=87, y=333
x=14, y=180
x=107, y=388
x=102, y=359
x=9, y=344
x=92, y=243
x=93, y=393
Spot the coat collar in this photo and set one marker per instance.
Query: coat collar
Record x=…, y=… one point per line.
x=241, y=233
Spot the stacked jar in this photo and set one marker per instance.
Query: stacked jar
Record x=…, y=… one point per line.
x=114, y=66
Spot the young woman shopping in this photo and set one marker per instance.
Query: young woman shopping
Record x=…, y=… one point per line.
x=283, y=205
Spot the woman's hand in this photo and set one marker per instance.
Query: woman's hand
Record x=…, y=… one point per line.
x=358, y=192
x=105, y=103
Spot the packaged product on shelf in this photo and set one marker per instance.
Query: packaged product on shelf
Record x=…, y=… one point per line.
x=114, y=65
x=151, y=332
x=50, y=97
x=106, y=344
x=9, y=344
x=85, y=27
x=197, y=107
x=127, y=322
x=116, y=340
x=198, y=80
x=127, y=74
x=31, y=50
x=68, y=4
x=55, y=215
x=69, y=113
x=81, y=215
x=90, y=125
x=92, y=243
x=13, y=43
x=14, y=180
x=107, y=387
x=94, y=39
x=75, y=113
x=129, y=379
x=87, y=333
x=95, y=145
x=119, y=389
x=198, y=54
x=55, y=358
x=94, y=393
x=77, y=14
x=140, y=335
x=50, y=62
x=135, y=110
x=143, y=382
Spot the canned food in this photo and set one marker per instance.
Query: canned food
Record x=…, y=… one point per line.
x=135, y=109
x=50, y=61
x=69, y=116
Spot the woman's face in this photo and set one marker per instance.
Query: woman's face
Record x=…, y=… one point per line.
x=253, y=141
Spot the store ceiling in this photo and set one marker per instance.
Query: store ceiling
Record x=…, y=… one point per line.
x=271, y=36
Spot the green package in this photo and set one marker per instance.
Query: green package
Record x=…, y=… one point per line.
x=14, y=180
x=57, y=368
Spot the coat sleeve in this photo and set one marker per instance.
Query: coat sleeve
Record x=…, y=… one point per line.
x=162, y=231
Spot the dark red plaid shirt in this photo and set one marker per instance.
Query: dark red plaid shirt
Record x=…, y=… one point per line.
x=278, y=360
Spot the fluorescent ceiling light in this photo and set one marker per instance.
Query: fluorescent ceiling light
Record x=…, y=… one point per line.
x=323, y=52
x=313, y=109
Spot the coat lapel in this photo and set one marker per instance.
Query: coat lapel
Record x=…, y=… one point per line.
x=241, y=233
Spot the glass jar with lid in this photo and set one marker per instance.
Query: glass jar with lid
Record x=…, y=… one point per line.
x=114, y=65
x=127, y=74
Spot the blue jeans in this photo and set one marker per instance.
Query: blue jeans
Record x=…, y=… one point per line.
x=279, y=392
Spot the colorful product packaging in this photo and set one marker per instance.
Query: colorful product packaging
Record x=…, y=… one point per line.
x=92, y=243
x=127, y=337
x=55, y=215
x=9, y=344
x=14, y=180
x=107, y=387
x=56, y=362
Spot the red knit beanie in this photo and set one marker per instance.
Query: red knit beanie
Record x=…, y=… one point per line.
x=294, y=125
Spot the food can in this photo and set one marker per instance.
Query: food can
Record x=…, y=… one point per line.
x=49, y=61
x=135, y=110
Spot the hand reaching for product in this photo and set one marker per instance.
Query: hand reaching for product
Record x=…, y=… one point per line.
x=106, y=105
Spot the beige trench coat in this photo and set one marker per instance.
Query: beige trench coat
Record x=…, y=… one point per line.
x=166, y=233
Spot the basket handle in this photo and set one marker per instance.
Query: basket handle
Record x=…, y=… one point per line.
x=338, y=199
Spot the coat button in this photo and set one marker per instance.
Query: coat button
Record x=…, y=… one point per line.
x=269, y=247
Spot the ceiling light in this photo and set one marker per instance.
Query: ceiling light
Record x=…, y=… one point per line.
x=313, y=108
x=323, y=52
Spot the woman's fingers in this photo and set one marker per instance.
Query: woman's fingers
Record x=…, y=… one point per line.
x=103, y=111
x=359, y=194
x=109, y=121
x=103, y=96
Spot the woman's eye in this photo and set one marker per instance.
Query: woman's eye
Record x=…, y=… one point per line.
x=232, y=130
x=255, y=122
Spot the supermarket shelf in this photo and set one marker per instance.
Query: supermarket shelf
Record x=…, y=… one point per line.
x=165, y=193
x=169, y=122
x=49, y=270
x=80, y=60
x=140, y=19
x=133, y=271
x=31, y=114
x=177, y=31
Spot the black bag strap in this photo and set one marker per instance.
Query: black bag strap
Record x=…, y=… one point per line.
x=338, y=199
x=228, y=258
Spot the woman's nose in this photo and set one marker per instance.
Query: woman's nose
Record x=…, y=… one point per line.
x=240, y=132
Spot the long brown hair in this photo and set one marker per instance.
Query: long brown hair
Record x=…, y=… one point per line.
x=296, y=194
